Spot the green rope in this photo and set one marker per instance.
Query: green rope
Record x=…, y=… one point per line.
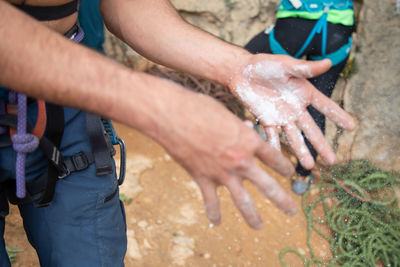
x=362, y=211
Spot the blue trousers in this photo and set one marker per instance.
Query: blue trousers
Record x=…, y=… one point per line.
x=85, y=223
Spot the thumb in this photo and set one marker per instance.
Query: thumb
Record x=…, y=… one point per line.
x=309, y=69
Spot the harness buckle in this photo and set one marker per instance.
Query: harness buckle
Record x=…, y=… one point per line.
x=80, y=161
x=65, y=173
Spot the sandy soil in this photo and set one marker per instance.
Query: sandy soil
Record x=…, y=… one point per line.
x=167, y=225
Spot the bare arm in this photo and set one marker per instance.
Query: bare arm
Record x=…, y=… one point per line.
x=153, y=28
x=36, y=61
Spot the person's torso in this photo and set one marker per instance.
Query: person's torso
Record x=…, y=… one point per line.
x=89, y=17
x=61, y=25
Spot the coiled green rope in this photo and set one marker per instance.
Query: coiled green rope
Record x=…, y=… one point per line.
x=361, y=207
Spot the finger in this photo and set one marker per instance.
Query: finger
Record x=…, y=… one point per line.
x=317, y=139
x=332, y=110
x=271, y=189
x=273, y=137
x=211, y=201
x=308, y=69
x=298, y=145
x=244, y=203
x=274, y=159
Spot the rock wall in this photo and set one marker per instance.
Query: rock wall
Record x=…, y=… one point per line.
x=235, y=21
x=372, y=93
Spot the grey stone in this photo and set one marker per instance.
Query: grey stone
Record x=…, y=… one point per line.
x=373, y=93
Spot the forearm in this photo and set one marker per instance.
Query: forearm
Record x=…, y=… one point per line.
x=154, y=29
x=43, y=64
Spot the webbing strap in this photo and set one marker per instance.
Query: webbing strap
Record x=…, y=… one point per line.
x=337, y=56
x=100, y=148
x=54, y=133
x=43, y=13
x=320, y=25
x=276, y=48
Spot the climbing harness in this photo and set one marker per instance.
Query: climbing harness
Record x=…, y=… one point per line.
x=26, y=139
x=321, y=27
x=361, y=208
x=43, y=13
x=314, y=5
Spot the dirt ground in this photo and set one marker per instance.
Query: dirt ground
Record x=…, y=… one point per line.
x=167, y=224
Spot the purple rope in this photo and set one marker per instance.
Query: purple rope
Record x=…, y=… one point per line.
x=23, y=142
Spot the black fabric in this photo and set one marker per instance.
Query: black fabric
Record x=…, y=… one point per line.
x=291, y=33
x=55, y=129
x=4, y=208
x=99, y=145
x=34, y=190
x=9, y=120
x=43, y=13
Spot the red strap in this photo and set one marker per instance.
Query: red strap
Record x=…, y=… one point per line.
x=41, y=121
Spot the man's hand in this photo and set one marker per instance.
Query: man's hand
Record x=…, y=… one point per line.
x=276, y=90
x=218, y=149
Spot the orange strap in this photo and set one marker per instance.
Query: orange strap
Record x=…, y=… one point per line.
x=41, y=121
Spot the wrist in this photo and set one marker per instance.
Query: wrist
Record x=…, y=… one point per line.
x=233, y=66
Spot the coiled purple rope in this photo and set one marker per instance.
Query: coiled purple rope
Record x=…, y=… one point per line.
x=23, y=142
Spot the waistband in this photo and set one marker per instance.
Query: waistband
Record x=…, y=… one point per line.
x=344, y=17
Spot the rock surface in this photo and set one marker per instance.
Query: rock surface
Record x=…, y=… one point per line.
x=373, y=93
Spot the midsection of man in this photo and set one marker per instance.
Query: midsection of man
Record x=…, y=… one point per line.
x=59, y=25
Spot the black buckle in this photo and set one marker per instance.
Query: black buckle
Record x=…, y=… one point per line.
x=80, y=161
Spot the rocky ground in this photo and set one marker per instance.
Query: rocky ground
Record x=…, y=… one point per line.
x=167, y=225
